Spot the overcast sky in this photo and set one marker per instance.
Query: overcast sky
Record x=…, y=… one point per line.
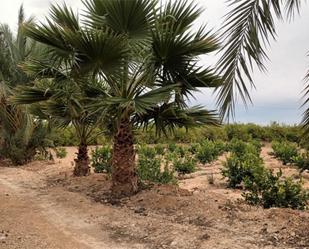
x=278, y=92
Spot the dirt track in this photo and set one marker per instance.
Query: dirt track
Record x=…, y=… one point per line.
x=42, y=206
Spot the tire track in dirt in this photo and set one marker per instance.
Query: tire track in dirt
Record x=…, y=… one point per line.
x=67, y=221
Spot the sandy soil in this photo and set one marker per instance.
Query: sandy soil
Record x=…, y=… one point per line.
x=43, y=206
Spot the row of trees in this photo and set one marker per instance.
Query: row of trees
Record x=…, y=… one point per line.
x=124, y=64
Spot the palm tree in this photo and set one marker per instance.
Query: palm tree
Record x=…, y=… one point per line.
x=145, y=56
x=60, y=96
x=21, y=135
x=248, y=29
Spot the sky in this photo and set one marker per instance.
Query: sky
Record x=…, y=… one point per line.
x=278, y=92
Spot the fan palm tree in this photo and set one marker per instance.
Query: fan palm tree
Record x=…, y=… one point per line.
x=60, y=97
x=248, y=29
x=145, y=56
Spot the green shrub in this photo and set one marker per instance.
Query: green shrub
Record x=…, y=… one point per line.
x=193, y=148
x=284, y=151
x=172, y=147
x=302, y=161
x=271, y=190
x=304, y=142
x=160, y=149
x=185, y=165
x=101, y=159
x=208, y=151
x=147, y=151
x=236, y=168
x=220, y=146
x=149, y=169
x=60, y=152
x=181, y=151
x=257, y=144
x=240, y=148
x=237, y=131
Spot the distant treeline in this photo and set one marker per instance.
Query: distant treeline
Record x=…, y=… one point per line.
x=244, y=132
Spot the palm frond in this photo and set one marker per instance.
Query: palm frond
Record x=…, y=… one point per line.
x=29, y=95
x=292, y=7
x=248, y=28
x=65, y=17
x=131, y=18
x=181, y=14
x=305, y=120
x=167, y=117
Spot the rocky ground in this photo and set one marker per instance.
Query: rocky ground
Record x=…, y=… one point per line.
x=43, y=206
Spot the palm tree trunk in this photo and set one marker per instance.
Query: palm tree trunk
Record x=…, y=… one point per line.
x=124, y=177
x=82, y=162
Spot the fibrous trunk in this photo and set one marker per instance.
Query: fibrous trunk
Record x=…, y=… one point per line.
x=82, y=162
x=124, y=177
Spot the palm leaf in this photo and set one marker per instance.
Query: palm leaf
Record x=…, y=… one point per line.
x=248, y=28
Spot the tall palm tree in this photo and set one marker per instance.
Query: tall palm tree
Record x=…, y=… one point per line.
x=145, y=55
x=248, y=29
x=21, y=134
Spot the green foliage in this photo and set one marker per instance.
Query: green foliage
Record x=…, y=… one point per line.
x=284, y=151
x=172, y=147
x=271, y=190
x=209, y=151
x=101, y=159
x=160, y=149
x=181, y=151
x=193, y=148
x=237, y=132
x=22, y=145
x=237, y=168
x=302, y=161
x=147, y=151
x=261, y=185
x=149, y=169
x=185, y=165
x=150, y=160
x=254, y=133
x=60, y=152
x=240, y=148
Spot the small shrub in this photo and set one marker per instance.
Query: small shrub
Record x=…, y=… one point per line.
x=193, y=148
x=220, y=146
x=181, y=151
x=302, y=161
x=208, y=152
x=147, y=151
x=284, y=151
x=172, y=147
x=271, y=190
x=149, y=169
x=60, y=152
x=160, y=149
x=236, y=168
x=240, y=148
x=101, y=159
x=185, y=165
